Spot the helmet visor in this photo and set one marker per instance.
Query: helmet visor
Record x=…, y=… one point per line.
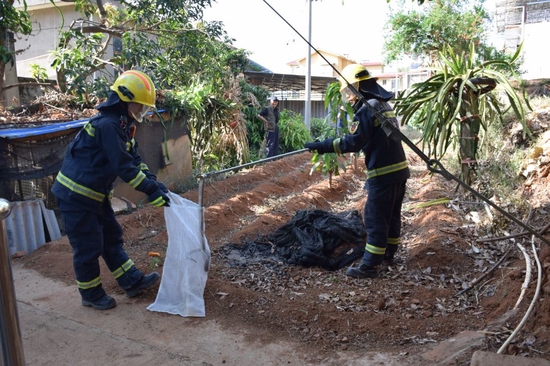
x=140, y=114
x=348, y=94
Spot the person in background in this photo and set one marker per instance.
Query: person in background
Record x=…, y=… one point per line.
x=102, y=151
x=270, y=116
x=387, y=167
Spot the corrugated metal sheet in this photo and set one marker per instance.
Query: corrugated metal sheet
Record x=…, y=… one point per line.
x=318, y=109
x=27, y=225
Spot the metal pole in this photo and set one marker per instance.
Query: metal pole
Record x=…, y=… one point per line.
x=252, y=163
x=307, y=107
x=10, y=334
x=202, y=177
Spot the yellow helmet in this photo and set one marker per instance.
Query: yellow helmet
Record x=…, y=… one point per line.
x=352, y=74
x=135, y=86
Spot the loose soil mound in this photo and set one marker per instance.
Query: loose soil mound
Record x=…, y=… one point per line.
x=414, y=303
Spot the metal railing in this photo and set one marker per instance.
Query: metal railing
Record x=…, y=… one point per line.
x=10, y=334
x=202, y=177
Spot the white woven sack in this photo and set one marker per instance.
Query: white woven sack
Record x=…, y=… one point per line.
x=185, y=269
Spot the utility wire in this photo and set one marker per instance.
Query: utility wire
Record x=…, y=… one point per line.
x=393, y=132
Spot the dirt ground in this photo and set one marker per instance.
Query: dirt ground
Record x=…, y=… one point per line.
x=414, y=303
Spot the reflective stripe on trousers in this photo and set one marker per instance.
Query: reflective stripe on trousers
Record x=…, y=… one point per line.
x=91, y=236
x=382, y=216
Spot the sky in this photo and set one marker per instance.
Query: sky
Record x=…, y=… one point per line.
x=345, y=27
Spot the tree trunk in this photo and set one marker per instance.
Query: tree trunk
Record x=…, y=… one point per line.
x=469, y=137
x=11, y=96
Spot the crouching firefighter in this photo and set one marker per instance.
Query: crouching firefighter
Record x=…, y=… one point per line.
x=102, y=151
x=387, y=167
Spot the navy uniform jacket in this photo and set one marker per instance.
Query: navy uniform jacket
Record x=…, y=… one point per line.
x=384, y=157
x=102, y=151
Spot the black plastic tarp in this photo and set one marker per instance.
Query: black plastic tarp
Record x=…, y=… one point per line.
x=320, y=238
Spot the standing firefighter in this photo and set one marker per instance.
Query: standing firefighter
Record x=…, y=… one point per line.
x=387, y=168
x=102, y=151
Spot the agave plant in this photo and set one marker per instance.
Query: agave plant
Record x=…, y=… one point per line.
x=456, y=105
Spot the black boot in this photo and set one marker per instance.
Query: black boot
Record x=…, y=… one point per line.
x=145, y=281
x=105, y=302
x=362, y=271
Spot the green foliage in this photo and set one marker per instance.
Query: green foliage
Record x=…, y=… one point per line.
x=254, y=126
x=424, y=32
x=76, y=63
x=191, y=61
x=318, y=128
x=333, y=126
x=167, y=39
x=326, y=163
x=205, y=112
x=333, y=101
x=12, y=20
x=453, y=112
x=293, y=133
x=38, y=72
x=341, y=111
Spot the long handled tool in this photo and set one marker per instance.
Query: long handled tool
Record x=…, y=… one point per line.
x=202, y=231
x=394, y=133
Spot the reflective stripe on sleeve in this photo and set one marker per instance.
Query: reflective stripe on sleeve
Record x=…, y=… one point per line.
x=336, y=146
x=137, y=180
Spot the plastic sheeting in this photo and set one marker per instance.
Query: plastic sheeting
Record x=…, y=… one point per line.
x=320, y=238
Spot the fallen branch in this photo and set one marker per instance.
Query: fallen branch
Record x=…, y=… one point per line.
x=476, y=280
x=486, y=240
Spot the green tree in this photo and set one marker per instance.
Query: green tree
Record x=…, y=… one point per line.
x=192, y=60
x=166, y=38
x=423, y=32
x=11, y=21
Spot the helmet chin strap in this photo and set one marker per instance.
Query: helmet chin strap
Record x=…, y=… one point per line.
x=127, y=93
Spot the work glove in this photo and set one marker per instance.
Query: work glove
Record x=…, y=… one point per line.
x=159, y=198
x=321, y=147
x=151, y=176
x=162, y=187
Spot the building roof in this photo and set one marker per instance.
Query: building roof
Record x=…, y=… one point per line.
x=313, y=52
x=288, y=82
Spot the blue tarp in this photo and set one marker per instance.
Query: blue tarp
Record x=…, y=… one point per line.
x=18, y=133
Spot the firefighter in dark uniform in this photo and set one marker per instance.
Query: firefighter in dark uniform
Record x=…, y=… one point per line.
x=387, y=167
x=102, y=151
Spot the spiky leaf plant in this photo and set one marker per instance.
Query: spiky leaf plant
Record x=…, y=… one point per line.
x=453, y=109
